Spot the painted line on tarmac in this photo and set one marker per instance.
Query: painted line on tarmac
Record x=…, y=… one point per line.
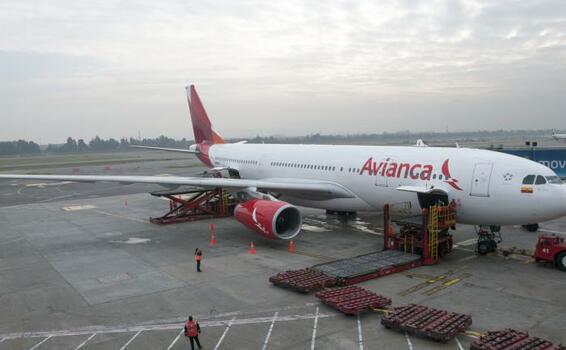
x=552, y=231
x=467, y=242
x=446, y=284
x=162, y=327
x=175, y=340
x=39, y=344
x=57, y=198
x=430, y=282
x=269, y=331
x=119, y=216
x=468, y=258
x=314, y=328
x=465, y=249
x=225, y=332
x=360, y=338
x=86, y=341
x=408, y=341
x=459, y=344
x=131, y=339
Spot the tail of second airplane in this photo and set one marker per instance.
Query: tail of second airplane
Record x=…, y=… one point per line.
x=202, y=128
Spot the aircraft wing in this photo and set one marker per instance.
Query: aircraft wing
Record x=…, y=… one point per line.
x=166, y=149
x=416, y=189
x=321, y=189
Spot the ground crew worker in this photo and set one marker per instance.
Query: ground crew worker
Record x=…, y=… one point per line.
x=192, y=330
x=198, y=258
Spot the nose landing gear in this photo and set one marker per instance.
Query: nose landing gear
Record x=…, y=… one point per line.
x=488, y=238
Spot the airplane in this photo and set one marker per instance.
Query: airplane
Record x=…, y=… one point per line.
x=489, y=188
x=558, y=136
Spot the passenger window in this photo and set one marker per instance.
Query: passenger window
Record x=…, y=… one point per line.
x=540, y=180
x=529, y=180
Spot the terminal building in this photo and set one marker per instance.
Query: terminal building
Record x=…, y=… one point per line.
x=552, y=157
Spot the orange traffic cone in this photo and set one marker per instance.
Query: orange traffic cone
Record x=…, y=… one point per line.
x=291, y=247
x=252, y=248
x=213, y=241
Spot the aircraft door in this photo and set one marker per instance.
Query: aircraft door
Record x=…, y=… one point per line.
x=480, y=180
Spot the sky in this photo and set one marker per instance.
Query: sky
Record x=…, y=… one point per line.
x=115, y=68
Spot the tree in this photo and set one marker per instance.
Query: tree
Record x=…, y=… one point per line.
x=70, y=145
x=82, y=146
x=19, y=147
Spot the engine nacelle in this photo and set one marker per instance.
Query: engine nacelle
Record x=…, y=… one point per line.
x=271, y=219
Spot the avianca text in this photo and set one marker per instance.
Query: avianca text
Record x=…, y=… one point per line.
x=399, y=170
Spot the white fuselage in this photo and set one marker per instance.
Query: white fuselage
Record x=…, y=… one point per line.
x=487, y=186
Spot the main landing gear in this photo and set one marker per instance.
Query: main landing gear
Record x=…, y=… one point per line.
x=531, y=227
x=343, y=214
x=488, y=238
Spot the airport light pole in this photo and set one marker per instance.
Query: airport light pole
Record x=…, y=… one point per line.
x=532, y=145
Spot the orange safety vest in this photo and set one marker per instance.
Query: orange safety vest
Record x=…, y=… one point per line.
x=198, y=257
x=191, y=329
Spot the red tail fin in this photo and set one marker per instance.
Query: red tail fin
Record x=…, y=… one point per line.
x=202, y=127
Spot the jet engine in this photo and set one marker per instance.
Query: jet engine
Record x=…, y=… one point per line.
x=271, y=219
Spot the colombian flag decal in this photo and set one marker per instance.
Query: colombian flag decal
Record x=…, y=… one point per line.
x=526, y=189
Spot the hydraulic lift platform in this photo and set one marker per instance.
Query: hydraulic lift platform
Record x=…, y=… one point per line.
x=345, y=272
x=421, y=241
x=368, y=266
x=426, y=234
x=195, y=204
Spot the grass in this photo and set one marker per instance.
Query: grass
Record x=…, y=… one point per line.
x=74, y=160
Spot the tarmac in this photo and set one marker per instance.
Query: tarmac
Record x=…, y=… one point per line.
x=81, y=267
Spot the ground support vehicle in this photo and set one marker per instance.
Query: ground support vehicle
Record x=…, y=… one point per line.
x=551, y=249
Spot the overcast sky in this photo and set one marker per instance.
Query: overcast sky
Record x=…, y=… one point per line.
x=113, y=68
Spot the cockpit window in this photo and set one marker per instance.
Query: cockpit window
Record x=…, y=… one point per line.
x=555, y=180
x=529, y=180
x=540, y=180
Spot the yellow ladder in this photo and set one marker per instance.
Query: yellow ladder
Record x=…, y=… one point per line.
x=433, y=232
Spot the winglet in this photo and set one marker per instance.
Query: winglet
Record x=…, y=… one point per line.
x=202, y=128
